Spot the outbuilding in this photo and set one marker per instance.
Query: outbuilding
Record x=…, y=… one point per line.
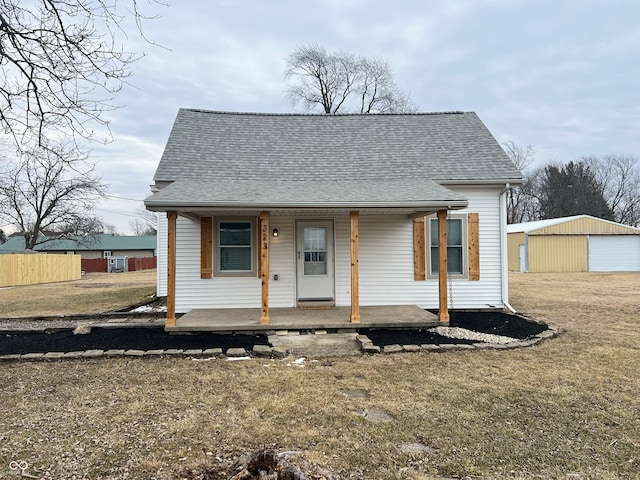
x=580, y=243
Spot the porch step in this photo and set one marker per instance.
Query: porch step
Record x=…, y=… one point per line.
x=317, y=305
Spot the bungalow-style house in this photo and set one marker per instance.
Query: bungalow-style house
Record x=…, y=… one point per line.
x=287, y=211
x=98, y=245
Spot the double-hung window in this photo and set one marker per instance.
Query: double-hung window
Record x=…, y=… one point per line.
x=456, y=246
x=235, y=246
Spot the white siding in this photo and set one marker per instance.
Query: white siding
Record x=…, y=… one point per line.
x=386, y=260
x=386, y=264
x=161, y=250
x=614, y=253
x=282, y=262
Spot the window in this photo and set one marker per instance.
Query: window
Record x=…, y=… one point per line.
x=456, y=246
x=235, y=247
x=106, y=254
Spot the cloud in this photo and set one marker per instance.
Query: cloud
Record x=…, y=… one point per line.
x=560, y=76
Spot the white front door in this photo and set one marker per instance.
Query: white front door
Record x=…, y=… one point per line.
x=314, y=253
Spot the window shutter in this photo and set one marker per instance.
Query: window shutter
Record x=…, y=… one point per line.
x=206, y=247
x=474, y=246
x=419, y=247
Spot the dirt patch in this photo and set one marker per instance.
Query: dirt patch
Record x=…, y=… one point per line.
x=94, y=285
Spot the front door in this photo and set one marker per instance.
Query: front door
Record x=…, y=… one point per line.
x=314, y=253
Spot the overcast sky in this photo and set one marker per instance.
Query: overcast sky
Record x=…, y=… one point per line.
x=562, y=76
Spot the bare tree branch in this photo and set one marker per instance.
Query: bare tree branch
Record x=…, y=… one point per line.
x=61, y=65
x=521, y=200
x=343, y=82
x=50, y=189
x=619, y=179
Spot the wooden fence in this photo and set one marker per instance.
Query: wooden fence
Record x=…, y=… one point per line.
x=134, y=263
x=19, y=269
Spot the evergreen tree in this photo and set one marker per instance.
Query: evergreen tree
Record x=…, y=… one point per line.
x=572, y=190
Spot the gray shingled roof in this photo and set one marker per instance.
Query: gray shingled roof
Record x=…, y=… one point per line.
x=222, y=159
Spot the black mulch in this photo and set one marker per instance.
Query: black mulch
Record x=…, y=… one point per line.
x=495, y=323
x=156, y=338
x=122, y=338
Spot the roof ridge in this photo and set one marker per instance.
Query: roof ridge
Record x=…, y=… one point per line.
x=302, y=114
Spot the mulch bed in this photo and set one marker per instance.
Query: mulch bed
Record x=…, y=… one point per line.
x=155, y=338
x=122, y=338
x=495, y=323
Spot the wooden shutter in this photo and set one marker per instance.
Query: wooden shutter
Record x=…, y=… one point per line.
x=474, y=246
x=419, y=247
x=206, y=247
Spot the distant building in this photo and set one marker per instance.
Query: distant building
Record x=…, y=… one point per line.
x=581, y=243
x=100, y=245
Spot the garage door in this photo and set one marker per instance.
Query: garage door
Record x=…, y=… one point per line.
x=614, y=253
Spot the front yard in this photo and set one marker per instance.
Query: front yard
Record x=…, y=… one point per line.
x=93, y=293
x=567, y=408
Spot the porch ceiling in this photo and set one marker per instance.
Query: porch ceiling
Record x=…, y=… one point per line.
x=196, y=213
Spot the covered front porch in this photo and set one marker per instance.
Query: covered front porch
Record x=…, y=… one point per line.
x=302, y=319
x=271, y=318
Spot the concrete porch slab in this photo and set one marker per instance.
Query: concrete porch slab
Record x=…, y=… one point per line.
x=295, y=319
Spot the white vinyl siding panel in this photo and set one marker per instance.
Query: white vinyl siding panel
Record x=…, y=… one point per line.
x=614, y=253
x=161, y=248
x=282, y=262
x=217, y=292
x=385, y=264
x=386, y=260
x=226, y=292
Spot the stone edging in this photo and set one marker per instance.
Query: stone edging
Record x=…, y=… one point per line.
x=365, y=343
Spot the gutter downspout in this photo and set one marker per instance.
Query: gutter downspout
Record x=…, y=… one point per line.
x=503, y=250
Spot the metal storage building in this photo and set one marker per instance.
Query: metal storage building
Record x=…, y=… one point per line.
x=581, y=243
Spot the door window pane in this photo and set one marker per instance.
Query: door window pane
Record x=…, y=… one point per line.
x=315, y=250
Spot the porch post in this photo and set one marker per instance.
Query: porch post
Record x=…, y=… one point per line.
x=355, y=289
x=171, y=269
x=443, y=310
x=263, y=221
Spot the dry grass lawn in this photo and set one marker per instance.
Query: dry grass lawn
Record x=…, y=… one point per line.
x=568, y=408
x=93, y=293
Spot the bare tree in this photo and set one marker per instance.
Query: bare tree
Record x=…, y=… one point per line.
x=619, y=178
x=343, y=82
x=49, y=189
x=521, y=200
x=61, y=64
x=145, y=225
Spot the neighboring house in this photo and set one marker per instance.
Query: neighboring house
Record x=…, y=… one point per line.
x=99, y=245
x=277, y=210
x=581, y=243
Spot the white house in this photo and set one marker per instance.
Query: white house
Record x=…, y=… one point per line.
x=268, y=211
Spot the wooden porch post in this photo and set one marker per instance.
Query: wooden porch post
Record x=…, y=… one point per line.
x=355, y=289
x=171, y=269
x=263, y=221
x=443, y=310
